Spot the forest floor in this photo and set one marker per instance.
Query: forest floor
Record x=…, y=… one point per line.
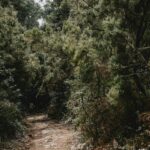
x=45, y=134
x=50, y=135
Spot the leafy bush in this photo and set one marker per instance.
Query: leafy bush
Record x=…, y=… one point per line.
x=10, y=120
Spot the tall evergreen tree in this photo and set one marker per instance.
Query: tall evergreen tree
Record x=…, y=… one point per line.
x=108, y=43
x=56, y=13
x=11, y=51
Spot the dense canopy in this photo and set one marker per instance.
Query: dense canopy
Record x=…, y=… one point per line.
x=88, y=63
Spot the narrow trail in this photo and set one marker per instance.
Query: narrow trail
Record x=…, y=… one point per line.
x=49, y=135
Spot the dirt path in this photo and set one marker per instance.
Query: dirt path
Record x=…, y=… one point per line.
x=48, y=135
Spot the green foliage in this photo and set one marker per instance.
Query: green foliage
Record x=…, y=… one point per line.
x=47, y=64
x=27, y=11
x=10, y=120
x=91, y=60
x=56, y=13
x=10, y=54
x=104, y=39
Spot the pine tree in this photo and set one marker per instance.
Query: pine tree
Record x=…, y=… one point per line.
x=11, y=51
x=28, y=12
x=56, y=12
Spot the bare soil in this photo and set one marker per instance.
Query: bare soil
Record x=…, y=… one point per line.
x=50, y=135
